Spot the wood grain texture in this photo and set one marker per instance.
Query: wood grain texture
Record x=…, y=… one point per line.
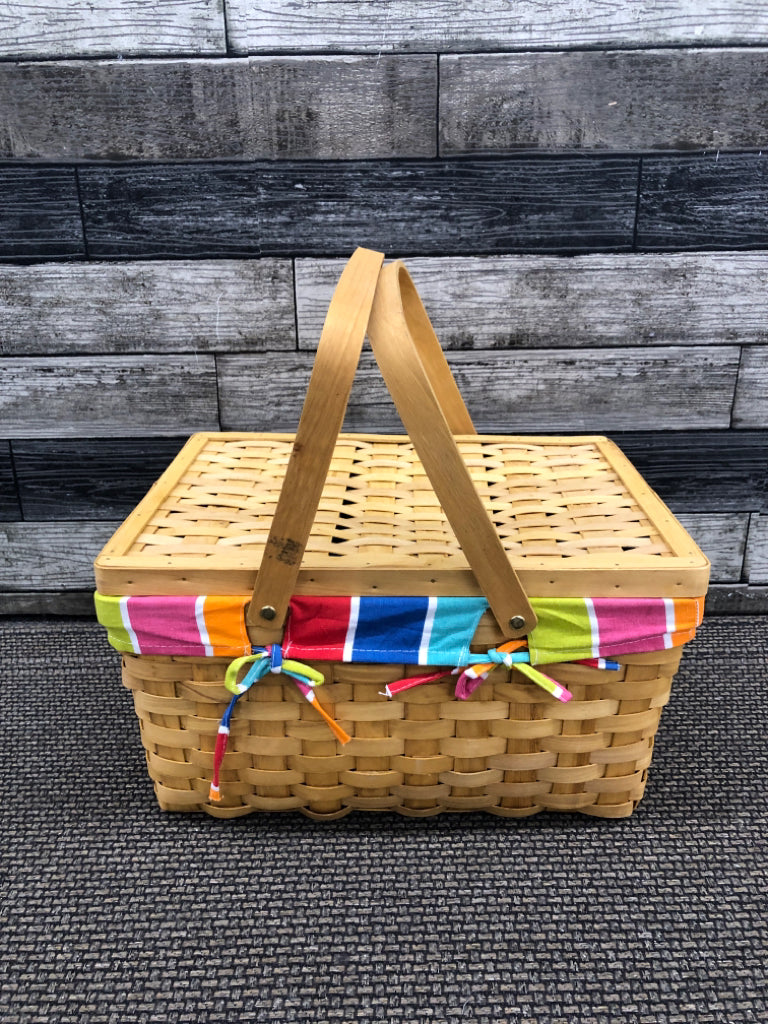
x=703, y=471
x=449, y=207
x=736, y=599
x=10, y=509
x=35, y=28
x=164, y=306
x=560, y=391
x=50, y=556
x=757, y=550
x=260, y=108
x=717, y=201
x=460, y=25
x=107, y=396
x=621, y=101
x=60, y=603
x=39, y=213
x=723, y=539
x=751, y=406
x=581, y=301
x=104, y=478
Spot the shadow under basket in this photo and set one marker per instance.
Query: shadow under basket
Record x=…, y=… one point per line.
x=514, y=524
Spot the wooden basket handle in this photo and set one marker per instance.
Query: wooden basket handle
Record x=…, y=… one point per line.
x=429, y=403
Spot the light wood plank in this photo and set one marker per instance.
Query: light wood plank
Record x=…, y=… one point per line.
x=561, y=391
x=723, y=539
x=757, y=550
x=50, y=556
x=625, y=100
x=751, y=406
x=107, y=396
x=163, y=306
x=36, y=28
x=459, y=25
x=260, y=108
x=580, y=301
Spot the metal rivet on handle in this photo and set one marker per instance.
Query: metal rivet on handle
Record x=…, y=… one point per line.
x=268, y=612
x=517, y=622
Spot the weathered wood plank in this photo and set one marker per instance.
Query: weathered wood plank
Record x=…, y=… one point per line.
x=88, y=478
x=757, y=550
x=621, y=101
x=572, y=204
x=39, y=213
x=163, y=306
x=260, y=108
x=703, y=471
x=460, y=25
x=50, y=556
x=559, y=391
x=718, y=201
x=9, y=499
x=751, y=406
x=723, y=539
x=107, y=396
x=64, y=603
x=34, y=28
x=736, y=599
x=580, y=301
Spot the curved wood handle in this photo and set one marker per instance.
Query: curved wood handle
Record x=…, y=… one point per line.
x=322, y=416
x=430, y=405
x=400, y=335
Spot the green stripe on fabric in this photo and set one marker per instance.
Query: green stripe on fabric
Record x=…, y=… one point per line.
x=563, y=631
x=109, y=615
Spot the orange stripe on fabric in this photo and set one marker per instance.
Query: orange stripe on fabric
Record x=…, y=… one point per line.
x=225, y=622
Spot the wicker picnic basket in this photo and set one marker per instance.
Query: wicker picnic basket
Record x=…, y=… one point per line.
x=277, y=522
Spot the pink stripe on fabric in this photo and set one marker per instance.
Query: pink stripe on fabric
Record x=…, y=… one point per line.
x=635, y=625
x=166, y=624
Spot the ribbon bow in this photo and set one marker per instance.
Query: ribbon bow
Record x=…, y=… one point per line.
x=265, y=660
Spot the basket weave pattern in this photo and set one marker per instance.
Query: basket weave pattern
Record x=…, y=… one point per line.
x=509, y=749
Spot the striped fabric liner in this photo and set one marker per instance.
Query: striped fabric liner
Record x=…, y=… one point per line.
x=407, y=630
x=200, y=626
x=397, y=630
x=577, y=628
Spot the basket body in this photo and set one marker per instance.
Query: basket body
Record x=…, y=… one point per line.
x=575, y=519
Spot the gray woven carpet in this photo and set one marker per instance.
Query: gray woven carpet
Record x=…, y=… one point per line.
x=115, y=912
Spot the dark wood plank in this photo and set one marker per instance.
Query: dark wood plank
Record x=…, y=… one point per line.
x=50, y=556
x=717, y=201
x=460, y=25
x=580, y=301
x=260, y=108
x=621, y=101
x=108, y=396
x=751, y=406
x=39, y=213
x=736, y=599
x=557, y=391
x=57, y=602
x=88, y=478
x=723, y=539
x=723, y=471
x=35, y=28
x=568, y=205
x=10, y=509
x=162, y=306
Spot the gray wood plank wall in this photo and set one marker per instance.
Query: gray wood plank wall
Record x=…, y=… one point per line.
x=580, y=192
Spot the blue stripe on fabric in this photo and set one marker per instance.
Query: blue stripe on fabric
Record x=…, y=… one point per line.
x=389, y=629
x=455, y=623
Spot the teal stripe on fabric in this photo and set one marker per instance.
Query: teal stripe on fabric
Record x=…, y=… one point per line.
x=453, y=628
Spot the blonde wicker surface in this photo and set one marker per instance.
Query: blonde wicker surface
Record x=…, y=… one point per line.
x=567, y=507
x=510, y=750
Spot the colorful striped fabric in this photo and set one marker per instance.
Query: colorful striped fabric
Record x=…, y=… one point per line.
x=397, y=630
x=408, y=630
x=200, y=626
x=572, y=629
